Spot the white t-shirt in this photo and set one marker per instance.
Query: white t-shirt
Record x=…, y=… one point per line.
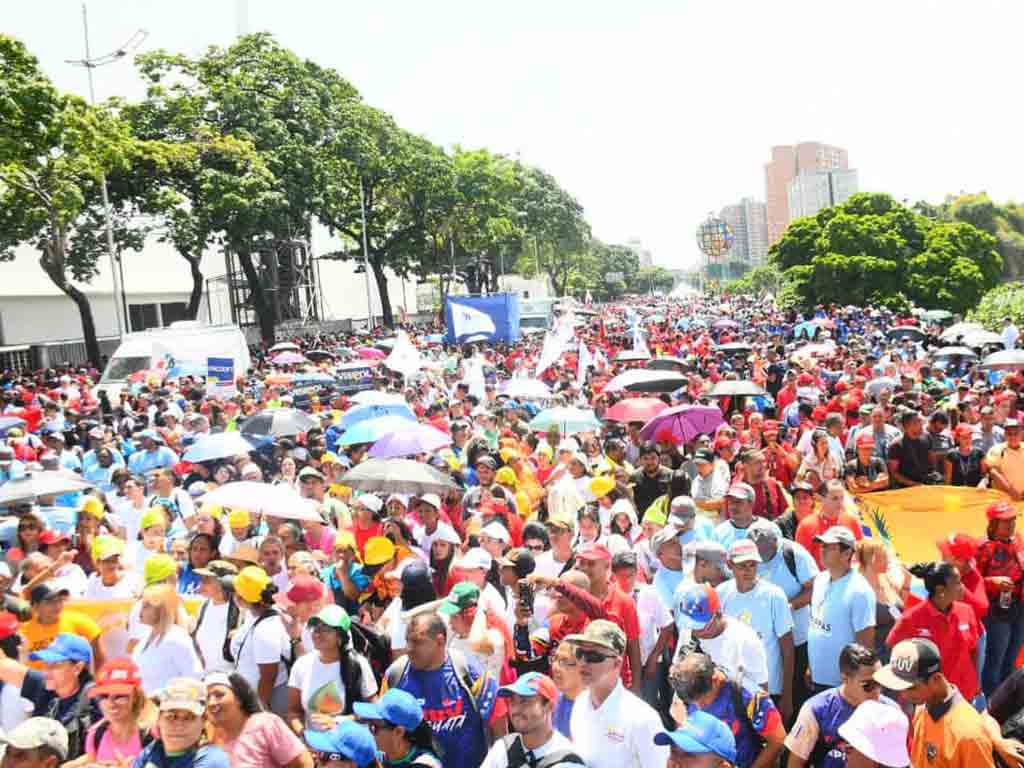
x=320, y=687
x=739, y=650
x=547, y=566
x=130, y=517
x=14, y=710
x=174, y=656
x=72, y=578
x=653, y=616
x=128, y=587
x=618, y=734
x=264, y=643
x=497, y=757
x=210, y=637
x=493, y=661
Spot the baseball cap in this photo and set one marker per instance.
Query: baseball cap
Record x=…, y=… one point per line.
x=603, y=633
x=184, y=693
x=51, y=536
x=741, y=491
x=1011, y=424
x=349, y=741
x=217, y=569
x=432, y=499
x=958, y=545
x=1001, y=510
x=744, y=551
x=9, y=624
x=703, y=456
x=65, y=647
x=91, y=505
x=837, y=534
x=245, y=553
x=445, y=532
x=251, y=582
x=378, y=550
x=912, y=662
x=476, y=558
x=105, y=547
x=370, y=501
x=158, y=567
x=496, y=530
x=697, y=606
x=684, y=508
x=532, y=684
x=310, y=472
x=152, y=516
x=39, y=732
x=463, y=595
x=600, y=486
x=117, y=676
x=43, y=592
x=799, y=486
x=238, y=518
x=397, y=707
x=594, y=552
x=304, y=589
x=333, y=616
x=662, y=537
x=521, y=559
x=701, y=734
x=762, y=529
x=711, y=551
x=879, y=732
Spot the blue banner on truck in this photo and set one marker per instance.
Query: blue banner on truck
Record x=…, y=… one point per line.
x=490, y=319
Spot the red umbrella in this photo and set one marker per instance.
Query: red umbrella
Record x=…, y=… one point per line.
x=636, y=409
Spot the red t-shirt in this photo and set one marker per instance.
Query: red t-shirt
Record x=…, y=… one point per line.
x=815, y=525
x=365, y=534
x=621, y=608
x=956, y=633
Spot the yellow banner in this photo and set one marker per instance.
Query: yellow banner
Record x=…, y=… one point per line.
x=112, y=617
x=912, y=519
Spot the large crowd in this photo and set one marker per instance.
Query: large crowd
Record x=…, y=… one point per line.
x=637, y=541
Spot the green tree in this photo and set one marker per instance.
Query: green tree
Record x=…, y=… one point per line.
x=1006, y=300
x=54, y=149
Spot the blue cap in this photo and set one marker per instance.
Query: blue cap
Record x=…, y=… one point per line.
x=396, y=707
x=701, y=734
x=349, y=739
x=532, y=684
x=65, y=647
x=152, y=434
x=696, y=605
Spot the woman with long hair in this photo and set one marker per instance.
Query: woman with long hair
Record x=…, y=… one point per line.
x=168, y=651
x=201, y=550
x=403, y=736
x=325, y=684
x=820, y=459
x=444, y=547
x=27, y=540
x=873, y=558
x=127, y=716
x=251, y=736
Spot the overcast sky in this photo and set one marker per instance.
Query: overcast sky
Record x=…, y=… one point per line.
x=651, y=112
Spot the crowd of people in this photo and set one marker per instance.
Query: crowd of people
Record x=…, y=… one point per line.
x=646, y=547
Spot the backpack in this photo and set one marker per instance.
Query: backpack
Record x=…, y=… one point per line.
x=397, y=671
x=373, y=645
x=746, y=713
x=516, y=753
x=789, y=558
x=286, y=660
x=79, y=724
x=233, y=615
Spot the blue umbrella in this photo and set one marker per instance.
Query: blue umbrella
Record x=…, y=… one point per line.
x=568, y=420
x=220, y=445
x=806, y=328
x=375, y=411
x=372, y=430
x=10, y=422
x=410, y=441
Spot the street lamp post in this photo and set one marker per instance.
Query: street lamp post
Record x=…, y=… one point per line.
x=366, y=256
x=90, y=64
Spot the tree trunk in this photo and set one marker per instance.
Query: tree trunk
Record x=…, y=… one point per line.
x=92, y=344
x=264, y=311
x=53, y=261
x=382, y=289
x=197, y=287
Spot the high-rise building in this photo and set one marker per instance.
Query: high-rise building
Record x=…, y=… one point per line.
x=786, y=164
x=808, y=193
x=645, y=257
x=748, y=220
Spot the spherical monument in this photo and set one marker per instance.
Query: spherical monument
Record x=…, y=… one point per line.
x=714, y=238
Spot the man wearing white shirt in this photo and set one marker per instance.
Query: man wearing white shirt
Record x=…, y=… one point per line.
x=611, y=727
x=1010, y=333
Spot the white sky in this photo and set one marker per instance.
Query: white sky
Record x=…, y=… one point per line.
x=651, y=112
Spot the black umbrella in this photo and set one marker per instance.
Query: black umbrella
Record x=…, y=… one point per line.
x=316, y=355
x=665, y=381
x=279, y=422
x=36, y=484
x=731, y=388
x=676, y=364
x=905, y=332
x=733, y=348
x=397, y=476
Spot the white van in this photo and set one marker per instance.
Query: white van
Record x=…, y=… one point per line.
x=187, y=342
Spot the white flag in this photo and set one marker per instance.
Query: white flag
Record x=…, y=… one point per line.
x=639, y=343
x=585, y=361
x=600, y=361
x=404, y=357
x=549, y=353
x=468, y=321
x=475, y=377
x=565, y=328
x=589, y=300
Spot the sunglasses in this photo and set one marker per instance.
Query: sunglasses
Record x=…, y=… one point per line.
x=535, y=547
x=591, y=657
x=869, y=685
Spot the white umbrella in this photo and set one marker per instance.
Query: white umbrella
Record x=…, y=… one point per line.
x=274, y=500
x=284, y=346
x=527, y=389
x=218, y=445
x=374, y=397
x=957, y=330
x=1004, y=360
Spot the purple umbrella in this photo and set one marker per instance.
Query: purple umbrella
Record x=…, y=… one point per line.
x=725, y=322
x=417, y=438
x=288, y=358
x=684, y=421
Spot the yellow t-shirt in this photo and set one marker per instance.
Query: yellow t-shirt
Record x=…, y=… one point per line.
x=39, y=636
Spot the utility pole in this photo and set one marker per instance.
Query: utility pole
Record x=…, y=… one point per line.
x=366, y=256
x=90, y=64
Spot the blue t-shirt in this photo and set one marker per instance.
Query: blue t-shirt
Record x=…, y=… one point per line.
x=562, y=716
x=456, y=723
x=764, y=719
x=208, y=756
x=777, y=572
x=189, y=581
x=666, y=582
x=764, y=609
x=703, y=530
x=839, y=610
x=144, y=462
x=830, y=711
x=726, y=533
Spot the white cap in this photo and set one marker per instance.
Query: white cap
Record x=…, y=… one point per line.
x=445, y=532
x=496, y=530
x=568, y=445
x=879, y=732
x=476, y=558
x=623, y=507
x=370, y=501
x=432, y=499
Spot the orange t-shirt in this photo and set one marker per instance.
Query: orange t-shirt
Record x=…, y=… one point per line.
x=815, y=525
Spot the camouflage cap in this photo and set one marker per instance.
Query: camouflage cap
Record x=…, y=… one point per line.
x=603, y=633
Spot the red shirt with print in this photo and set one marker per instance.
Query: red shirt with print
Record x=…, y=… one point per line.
x=621, y=609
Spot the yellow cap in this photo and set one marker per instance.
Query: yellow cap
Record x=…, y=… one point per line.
x=602, y=486
x=216, y=511
x=158, y=568
x=507, y=454
x=329, y=458
x=545, y=449
x=340, y=491
x=250, y=584
x=238, y=518
x=345, y=539
x=379, y=550
x=506, y=476
x=152, y=516
x=473, y=526
x=91, y=505
x=105, y=547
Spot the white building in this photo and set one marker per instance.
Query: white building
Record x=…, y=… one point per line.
x=811, y=192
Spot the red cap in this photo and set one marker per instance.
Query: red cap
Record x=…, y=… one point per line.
x=958, y=545
x=1000, y=510
x=722, y=442
x=596, y=552
x=117, y=676
x=8, y=624
x=841, y=386
x=963, y=430
x=304, y=589
x=804, y=380
x=50, y=536
x=819, y=413
x=866, y=440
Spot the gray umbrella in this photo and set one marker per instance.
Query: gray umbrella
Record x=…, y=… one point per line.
x=36, y=484
x=1004, y=360
x=279, y=422
x=954, y=352
x=397, y=476
x=729, y=388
